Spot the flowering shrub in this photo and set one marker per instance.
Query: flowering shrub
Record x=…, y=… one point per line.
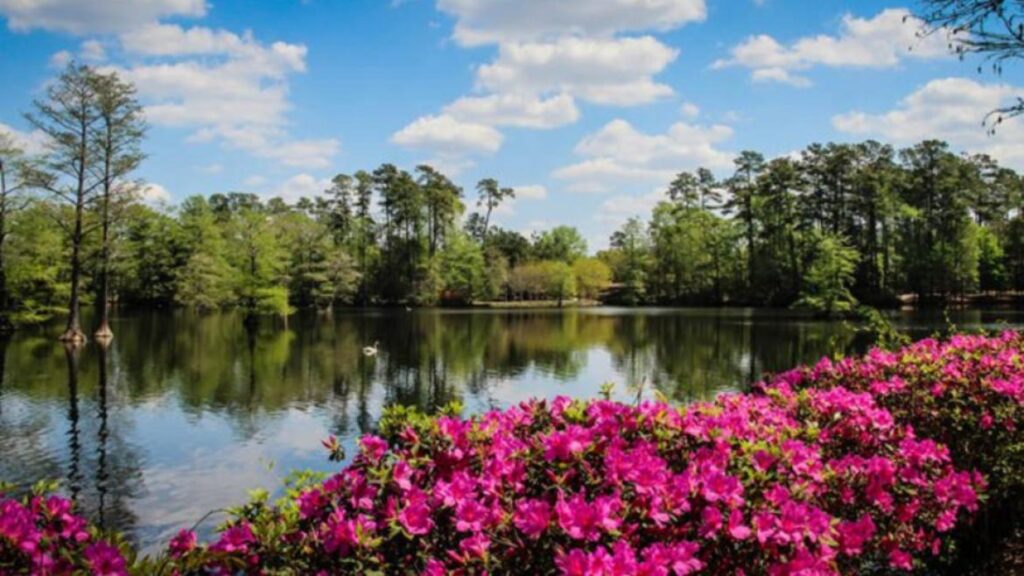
x=42, y=535
x=966, y=393
x=811, y=482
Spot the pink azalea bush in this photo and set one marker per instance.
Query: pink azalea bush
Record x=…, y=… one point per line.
x=41, y=535
x=814, y=482
x=966, y=392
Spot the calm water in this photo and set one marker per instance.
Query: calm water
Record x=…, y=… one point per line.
x=184, y=414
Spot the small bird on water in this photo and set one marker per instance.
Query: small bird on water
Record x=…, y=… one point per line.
x=371, y=350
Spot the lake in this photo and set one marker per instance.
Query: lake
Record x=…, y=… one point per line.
x=183, y=414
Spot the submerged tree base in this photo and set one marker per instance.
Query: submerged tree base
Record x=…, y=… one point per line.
x=73, y=336
x=103, y=333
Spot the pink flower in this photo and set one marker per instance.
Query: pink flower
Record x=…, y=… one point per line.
x=374, y=447
x=900, y=559
x=471, y=516
x=415, y=518
x=711, y=522
x=737, y=529
x=574, y=563
x=680, y=557
x=235, y=539
x=475, y=546
x=401, y=473
x=986, y=420
x=719, y=487
x=567, y=444
x=434, y=567
x=311, y=503
x=532, y=517
x=585, y=521
x=182, y=543
x=105, y=560
x=853, y=535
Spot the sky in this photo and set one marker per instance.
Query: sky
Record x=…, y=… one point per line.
x=587, y=109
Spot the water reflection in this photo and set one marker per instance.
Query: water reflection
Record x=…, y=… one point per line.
x=181, y=414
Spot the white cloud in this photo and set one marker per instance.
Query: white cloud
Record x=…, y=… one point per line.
x=494, y=21
x=446, y=136
x=31, y=143
x=521, y=110
x=532, y=192
x=689, y=110
x=227, y=87
x=550, y=54
x=949, y=109
x=246, y=53
x=212, y=168
x=301, y=186
x=620, y=154
x=780, y=75
x=604, y=71
x=617, y=209
x=94, y=16
x=882, y=41
x=154, y=194
x=93, y=51
x=60, y=59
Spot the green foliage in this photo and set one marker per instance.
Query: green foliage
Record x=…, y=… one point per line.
x=463, y=270
x=629, y=258
x=35, y=260
x=547, y=279
x=829, y=276
x=563, y=243
x=991, y=261
x=592, y=276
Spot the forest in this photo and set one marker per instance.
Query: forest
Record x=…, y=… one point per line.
x=827, y=228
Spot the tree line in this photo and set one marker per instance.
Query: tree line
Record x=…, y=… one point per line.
x=828, y=227
x=832, y=226
x=73, y=230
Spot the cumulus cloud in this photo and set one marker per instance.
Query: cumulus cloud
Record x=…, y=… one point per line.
x=523, y=193
x=521, y=110
x=60, y=59
x=496, y=21
x=227, y=87
x=603, y=71
x=551, y=54
x=617, y=209
x=949, y=109
x=30, y=143
x=532, y=192
x=96, y=16
x=882, y=41
x=620, y=154
x=447, y=136
x=93, y=51
x=154, y=194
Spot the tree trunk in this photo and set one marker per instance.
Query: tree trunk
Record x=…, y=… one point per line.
x=103, y=331
x=5, y=320
x=73, y=333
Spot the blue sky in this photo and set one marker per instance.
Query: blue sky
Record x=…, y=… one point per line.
x=587, y=108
